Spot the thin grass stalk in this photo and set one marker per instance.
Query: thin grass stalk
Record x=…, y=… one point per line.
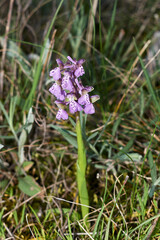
x=81, y=171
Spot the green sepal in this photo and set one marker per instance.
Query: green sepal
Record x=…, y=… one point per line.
x=94, y=98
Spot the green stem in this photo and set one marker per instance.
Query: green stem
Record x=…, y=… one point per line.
x=81, y=171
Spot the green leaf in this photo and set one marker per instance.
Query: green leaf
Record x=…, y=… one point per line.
x=69, y=228
x=136, y=157
x=66, y=134
x=115, y=126
x=100, y=135
x=150, y=87
x=153, y=174
x=28, y=185
x=157, y=182
x=3, y=183
x=124, y=150
x=23, y=136
x=152, y=167
x=8, y=120
x=92, y=136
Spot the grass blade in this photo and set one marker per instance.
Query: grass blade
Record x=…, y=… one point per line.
x=150, y=88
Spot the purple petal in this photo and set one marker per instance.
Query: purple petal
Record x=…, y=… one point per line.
x=62, y=114
x=89, y=88
x=84, y=99
x=55, y=73
x=79, y=107
x=57, y=91
x=74, y=107
x=89, y=109
x=60, y=63
x=79, y=71
x=79, y=84
x=67, y=83
x=71, y=60
x=80, y=62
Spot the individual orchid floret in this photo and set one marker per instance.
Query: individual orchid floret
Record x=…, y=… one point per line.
x=77, y=66
x=57, y=91
x=84, y=99
x=79, y=71
x=55, y=73
x=62, y=114
x=67, y=83
x=73, y=105
x=89, y=109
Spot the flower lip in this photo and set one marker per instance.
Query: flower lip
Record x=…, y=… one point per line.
x=56, y=90
x=62, y=114
x=79, y=71
x=84, y=99
x=55, y=73
x=74, y=107
x=89, y=109
x=67, y=83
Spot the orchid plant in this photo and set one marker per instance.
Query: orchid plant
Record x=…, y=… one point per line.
x=72, y=95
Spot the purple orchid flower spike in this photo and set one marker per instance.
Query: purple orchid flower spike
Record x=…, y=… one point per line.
x=69, y=90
